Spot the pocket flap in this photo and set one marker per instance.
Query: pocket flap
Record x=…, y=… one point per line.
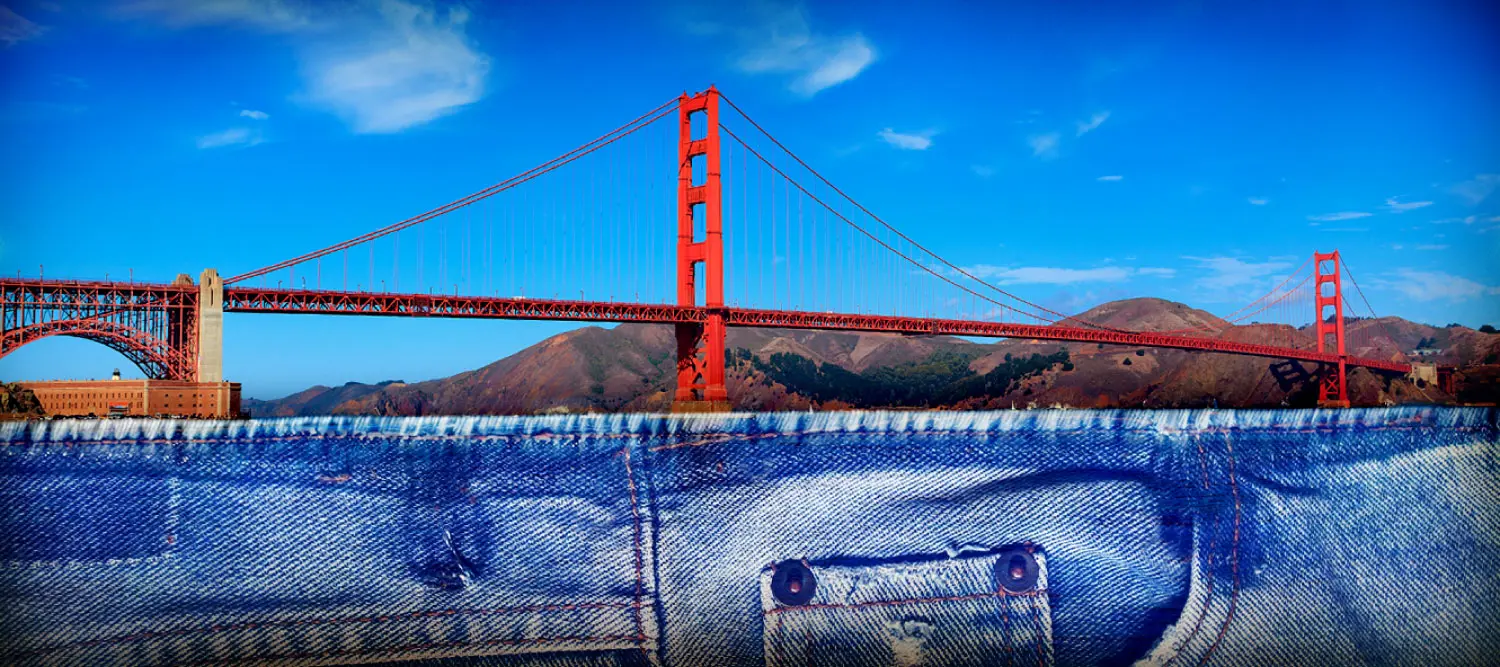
x=974, y=609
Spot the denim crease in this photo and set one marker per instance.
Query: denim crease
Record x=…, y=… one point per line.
x=1363, y=536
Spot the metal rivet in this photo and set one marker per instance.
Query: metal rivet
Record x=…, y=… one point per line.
x=793, y=583
x=1016, y=570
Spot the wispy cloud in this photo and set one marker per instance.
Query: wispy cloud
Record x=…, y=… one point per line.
x=1342, y=215
x=1115, y=177
x=1393, y=205
x=983, y=170
x=251, y=113
x=1476, y=189
x=1468, y=220
x=1434, y=285
x=270, y=15
x=1084, y=127
x=919, y=141
x=15, y=28
x=780, y=41
x=1345, y=229
x=418, y=68
x=1230, y=272
x=1432, y=246
x=234, y=136
x=1258, y=201
x=1046, y=275
x=382, y=66
x=1043, y=145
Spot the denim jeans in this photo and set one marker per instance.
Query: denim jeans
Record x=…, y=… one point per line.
x=906, y=538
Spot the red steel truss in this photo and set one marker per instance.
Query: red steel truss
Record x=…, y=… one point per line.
x=266, y=300
x=155, y=326
x=918, y=325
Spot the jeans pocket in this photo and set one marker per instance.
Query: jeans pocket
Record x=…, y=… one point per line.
x=972, y=609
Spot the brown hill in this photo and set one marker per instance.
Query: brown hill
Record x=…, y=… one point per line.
x=630, y=368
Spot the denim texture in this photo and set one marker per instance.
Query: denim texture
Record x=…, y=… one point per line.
x=1170, y=537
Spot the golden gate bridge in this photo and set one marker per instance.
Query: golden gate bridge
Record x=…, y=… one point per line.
x=755, y=237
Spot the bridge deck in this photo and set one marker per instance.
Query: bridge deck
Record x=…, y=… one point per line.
x=268, y=300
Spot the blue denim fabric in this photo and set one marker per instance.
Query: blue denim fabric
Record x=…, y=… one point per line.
x=1173, y=538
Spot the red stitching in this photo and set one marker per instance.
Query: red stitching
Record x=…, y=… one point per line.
x=740, y=438
x=1010, y=657
x=891, y=603
x=213, y=629
x=1036, y=613
x=417, y=647
x=640, y=576
x=776, y=648
x=1234, y=555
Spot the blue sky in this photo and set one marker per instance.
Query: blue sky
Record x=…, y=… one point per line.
x=1076, y=152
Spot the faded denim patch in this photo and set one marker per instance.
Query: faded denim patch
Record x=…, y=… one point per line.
x=85, y=519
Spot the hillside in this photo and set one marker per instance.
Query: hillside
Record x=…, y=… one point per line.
x=629, y=368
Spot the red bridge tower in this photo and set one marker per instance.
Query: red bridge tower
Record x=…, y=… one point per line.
x=1333, y=391
x=700, y=346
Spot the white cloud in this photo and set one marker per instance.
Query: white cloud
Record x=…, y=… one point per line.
x=1229, y=272
x=382, y=65
x=1116, y=177
x=1258, y=201
x=1043, y=145
x=272, y=15
x=1433, y=246
x=1434, y=285
x=1045, y=275
x=15, y=28
x=1395, y=206
x=419, y=69
x=1084, y=127
x=1468, y=219
x=1343, y=215
x=234, y=136
x=251, y=113
x=982, y=170
x=1397, y=246
x=1478, y=189
x=920, y=141
x=780, y=41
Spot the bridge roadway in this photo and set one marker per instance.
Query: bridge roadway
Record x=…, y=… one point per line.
x=270, y=300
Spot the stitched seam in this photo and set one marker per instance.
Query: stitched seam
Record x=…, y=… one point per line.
x=890, y=603
x=417, y=647
x=1234, y=555
x=777, y=651
x=214, y=629
x=253, y=440
x=739, y=437
x=1010, y=656
x=1036, y=613
x=635, y=512
x=1208, y=595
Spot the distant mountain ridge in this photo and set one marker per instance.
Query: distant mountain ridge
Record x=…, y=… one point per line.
x=630, y=368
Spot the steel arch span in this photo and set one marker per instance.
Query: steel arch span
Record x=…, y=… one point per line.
x=150, y=354
x=153, y=326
